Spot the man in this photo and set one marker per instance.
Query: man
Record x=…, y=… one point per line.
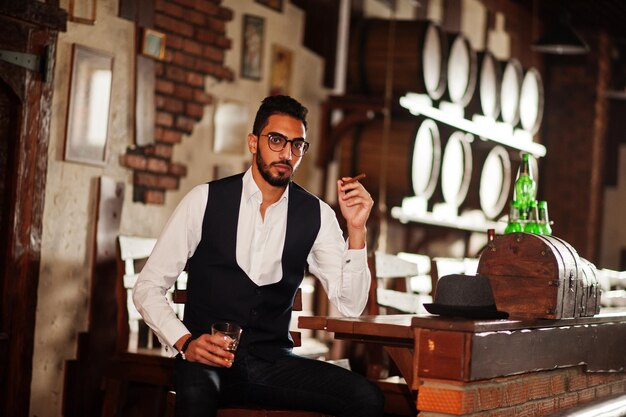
x=247, y=241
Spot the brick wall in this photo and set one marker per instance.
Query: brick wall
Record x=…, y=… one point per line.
x=532, y=395
x=195, y=47
x=574, y=132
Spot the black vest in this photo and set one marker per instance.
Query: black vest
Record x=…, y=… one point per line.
x=219, y=290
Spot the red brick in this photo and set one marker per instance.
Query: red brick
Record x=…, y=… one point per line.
x=206, y=36
x=133, y=161
x=586, y=395
x=178, y=170
x=183, y=92
x=224, y=43
x=213, y=53
x=167, y=182
x=173, y=105
x=489, y=397
x=154, y=197
x=159, y=69
x=157, y=166
x=547, y=406
x=171, y=25
x=515, y=392
x=170, y=9
x=192, y=47
x=567, y=401
x=195, y=17
x=160, y=101
x=226, y=14
x=594, y=379
x=164, y=119
x=194, y=111
x=603, y=391
x=442, y=399
x=185, y=124
x=183, y=59
x=194, y=79
x=617, y=388
x=166, y=87
x=163, y=150
x=175, y=73
x=216, y=25
x=577, y=380
x=208, y=8
x=557, y=383
x=170, y=136
x=146, y=180
x=202, y=97
x=174, y=41
x=539, y=386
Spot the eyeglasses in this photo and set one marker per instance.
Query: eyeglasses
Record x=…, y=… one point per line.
x=277, y=143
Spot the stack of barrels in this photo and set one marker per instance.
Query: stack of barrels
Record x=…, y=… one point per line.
x=425, y=157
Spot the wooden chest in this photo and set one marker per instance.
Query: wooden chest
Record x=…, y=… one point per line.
x=535, y=276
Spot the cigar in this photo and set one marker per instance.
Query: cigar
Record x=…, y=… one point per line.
x=355, y=179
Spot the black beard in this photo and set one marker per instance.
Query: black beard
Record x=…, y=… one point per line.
x=280, y=181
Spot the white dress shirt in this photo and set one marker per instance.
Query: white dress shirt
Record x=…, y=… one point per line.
x=342, y=272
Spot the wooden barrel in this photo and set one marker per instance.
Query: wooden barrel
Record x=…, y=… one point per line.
x=531, y=101
x=418, y=57
x=359, y=151
x=462, y=70
x=426, y=159
x=456, y=168
x=490, y=83
x=495, y=182
x=510, y=91
x=532, y=276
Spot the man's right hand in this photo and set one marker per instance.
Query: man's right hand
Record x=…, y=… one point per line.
x=209, y=350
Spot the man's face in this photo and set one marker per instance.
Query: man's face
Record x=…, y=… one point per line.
x=277, y=167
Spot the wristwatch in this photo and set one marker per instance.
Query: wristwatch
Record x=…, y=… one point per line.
x=184, y=347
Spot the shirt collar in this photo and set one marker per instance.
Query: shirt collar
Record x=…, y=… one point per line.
x=251, y=189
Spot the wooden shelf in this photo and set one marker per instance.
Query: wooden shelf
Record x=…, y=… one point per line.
x=500, y=133
x=460, y=223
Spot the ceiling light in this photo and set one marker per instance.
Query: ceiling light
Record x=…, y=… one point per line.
x=560, y=39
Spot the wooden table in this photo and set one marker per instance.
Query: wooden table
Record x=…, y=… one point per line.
x=426, y=346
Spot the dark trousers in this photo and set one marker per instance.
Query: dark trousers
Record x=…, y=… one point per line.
x=290, y=382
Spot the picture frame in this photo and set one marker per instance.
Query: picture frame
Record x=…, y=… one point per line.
x=272, y=4
x=89, y=105
x=281, y=68
x=153, y=44
x=231, y=123
x=253, y=39
x=82, y=11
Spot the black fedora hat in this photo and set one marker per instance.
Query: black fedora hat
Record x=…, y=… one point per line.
x=467, y=296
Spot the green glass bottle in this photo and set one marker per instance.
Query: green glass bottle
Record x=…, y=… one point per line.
x=525, y=185
x=514, y=224
x=543, y=218
x=532, y=226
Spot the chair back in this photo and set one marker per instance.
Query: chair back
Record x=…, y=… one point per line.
x=392, y=283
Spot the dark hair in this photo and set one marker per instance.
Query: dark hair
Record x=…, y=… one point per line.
x=278, y=105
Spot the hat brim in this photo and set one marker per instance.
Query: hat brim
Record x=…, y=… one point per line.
x=487, y=312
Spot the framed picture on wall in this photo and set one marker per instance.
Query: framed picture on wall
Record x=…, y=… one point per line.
x=272, y=4
x=252, y=47
x=82, y=11
x=89, y=105
x=153, y=44
x=280, y=74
